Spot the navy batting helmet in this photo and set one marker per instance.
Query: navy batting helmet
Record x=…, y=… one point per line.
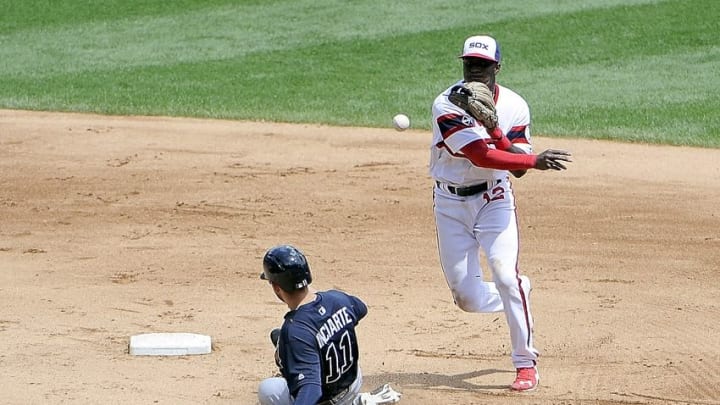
x=287, y=267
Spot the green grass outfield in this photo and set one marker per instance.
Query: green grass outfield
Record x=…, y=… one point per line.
x=634, y=70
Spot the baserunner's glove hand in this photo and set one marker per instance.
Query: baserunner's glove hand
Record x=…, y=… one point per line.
x=380, y=396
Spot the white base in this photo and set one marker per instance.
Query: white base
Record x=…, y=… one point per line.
x=169, y=344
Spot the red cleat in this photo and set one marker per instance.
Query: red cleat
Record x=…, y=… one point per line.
x=527, y=379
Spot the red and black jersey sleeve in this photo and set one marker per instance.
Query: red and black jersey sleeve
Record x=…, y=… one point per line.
x=517, y=134
x=452, y=123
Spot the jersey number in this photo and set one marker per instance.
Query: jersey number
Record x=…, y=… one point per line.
x=498, y=193
x=339, y=357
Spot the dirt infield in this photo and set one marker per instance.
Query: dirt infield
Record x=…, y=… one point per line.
x=114, y=226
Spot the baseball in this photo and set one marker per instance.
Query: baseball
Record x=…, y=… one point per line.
x=401, y=122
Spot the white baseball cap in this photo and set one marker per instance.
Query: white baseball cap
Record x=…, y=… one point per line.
x=481, y=46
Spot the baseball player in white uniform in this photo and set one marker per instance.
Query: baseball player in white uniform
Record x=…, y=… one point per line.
x=474, y=203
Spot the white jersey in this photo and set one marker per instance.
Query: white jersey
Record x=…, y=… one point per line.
x=453, y=128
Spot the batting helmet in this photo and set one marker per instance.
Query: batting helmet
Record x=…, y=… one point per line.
x=287, y=267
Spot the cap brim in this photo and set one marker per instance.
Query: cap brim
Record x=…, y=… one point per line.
x=477, y=55
x=262, y=276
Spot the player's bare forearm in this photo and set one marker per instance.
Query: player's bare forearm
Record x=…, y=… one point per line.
x=517, y=173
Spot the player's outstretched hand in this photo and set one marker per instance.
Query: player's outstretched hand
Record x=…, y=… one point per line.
x=552, y=159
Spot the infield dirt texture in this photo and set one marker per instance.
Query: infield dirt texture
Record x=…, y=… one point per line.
x=113, y=226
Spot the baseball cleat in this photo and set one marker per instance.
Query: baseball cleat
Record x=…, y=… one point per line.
x=527, y=379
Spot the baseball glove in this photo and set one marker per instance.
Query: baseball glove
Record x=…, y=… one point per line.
x=477, y=99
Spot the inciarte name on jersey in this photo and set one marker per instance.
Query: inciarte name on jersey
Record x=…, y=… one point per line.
x=336, y=322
